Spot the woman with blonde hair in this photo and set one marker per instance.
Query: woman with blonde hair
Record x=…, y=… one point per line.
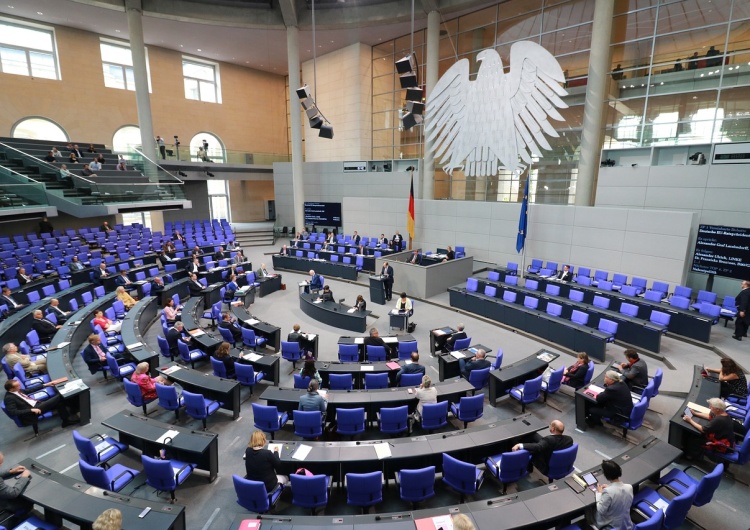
x=110, y=519
x=262, y=464
x=124, y=297
x=426, y=393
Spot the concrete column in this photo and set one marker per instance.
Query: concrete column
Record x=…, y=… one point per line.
x=593, y=110
x=431, y=79
x=298, y=183
x=134, y=11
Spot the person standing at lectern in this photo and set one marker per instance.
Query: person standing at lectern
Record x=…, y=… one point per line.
x=387, y=273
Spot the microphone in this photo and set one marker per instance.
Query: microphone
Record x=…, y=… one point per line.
x=503, y=500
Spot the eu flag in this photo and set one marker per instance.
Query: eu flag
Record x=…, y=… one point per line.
x=523, y=220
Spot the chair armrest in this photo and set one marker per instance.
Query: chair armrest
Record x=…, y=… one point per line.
x=330, y=482
x=176, y=475
x=643, y=514
x=704, y=473
x=126, y=472
x=97, y=435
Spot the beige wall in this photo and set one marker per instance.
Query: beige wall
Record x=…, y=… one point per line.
x=250, y=118
x=248, y=199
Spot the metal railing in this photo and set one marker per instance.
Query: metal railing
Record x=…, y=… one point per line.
x=18, y=191
x=184, y=153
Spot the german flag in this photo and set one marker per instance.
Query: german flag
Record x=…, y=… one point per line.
x=410, y=213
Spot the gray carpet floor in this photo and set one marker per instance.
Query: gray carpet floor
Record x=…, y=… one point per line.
x=212, y=505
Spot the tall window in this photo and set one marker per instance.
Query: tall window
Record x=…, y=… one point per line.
x=117, y=63
x=39, y=129
x=142, y=218
x=126, y=138
x=201, y=80
x=218, y=196
x=28, y=50
x=215, y=147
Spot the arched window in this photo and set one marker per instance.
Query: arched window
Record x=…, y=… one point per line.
x=215, y=147
x=126, y=138
x=39, y=129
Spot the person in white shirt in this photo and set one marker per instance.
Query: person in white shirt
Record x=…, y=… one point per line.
x=403, y=304
x=94, y=165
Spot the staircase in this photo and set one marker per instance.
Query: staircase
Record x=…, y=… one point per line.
x=253, y=234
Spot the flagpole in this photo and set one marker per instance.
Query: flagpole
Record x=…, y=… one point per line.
x=523, y=254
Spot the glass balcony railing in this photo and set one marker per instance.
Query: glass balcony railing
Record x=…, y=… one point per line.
x=214, y=156
x=19, y=191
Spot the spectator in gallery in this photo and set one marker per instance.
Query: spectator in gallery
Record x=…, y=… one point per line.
x=64, y=173
x=121, y=166
x=94, y=165
x=56, y=153
x=50, y=158
x=693, y=61
x=91, y=148
x=73, y=158
x=86, y=171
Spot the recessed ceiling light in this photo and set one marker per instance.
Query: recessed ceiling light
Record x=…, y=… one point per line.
x=117, y=31
x=200, y=50
x=39, y=13
x=12, y=7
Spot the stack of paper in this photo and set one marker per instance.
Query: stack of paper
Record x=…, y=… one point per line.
x=367, y=368
x=170, y=434
x=252, y=321
x=171, y=369
x=252, y=356
x=383, y=450
x=302, y=452
x=458, y=355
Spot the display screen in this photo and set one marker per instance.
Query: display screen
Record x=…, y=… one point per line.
x=723, y=250
x=323, y=214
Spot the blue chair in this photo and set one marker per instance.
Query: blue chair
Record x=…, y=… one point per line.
x=712, y=311
x=308, y=424
x=227, y=335
x=164, y=347
x=350, y=422
x=497, y=363
x=301, y=382
x=678, y=481
x=376, y=354
x=681, y=290
x=653, y=296
x=512, y=268
x=198, y=407
x=738, y=456
x=268, y=418
x=405, y=349
x=348, y=353
x=680, y=302
x=416, y=485
x=511, y=280
x=536, y=266
x=310, y=492
x=462, y=477
x=601, y=301
x=530, y=302
x=434, y=415
x=490, y=290
x=29, y=382
x=609, y=328
x=493, y=276
x=219, y=369
x=462, y=344
x=410, y=379
x=554, y=309
x=469, y=408
x=561, y=463
x=629, y=290
x=113, y=479
x=364, y=489
x=253, y=496
x=374, y=381
x=472, y=284
x=554, y=382
x=119, y=371
x=106, y=448
x=659, y=321
x=214, y=314
x=553, y=290
x=575, y=296
x=654, y=523
x=646, y=500
x=394, y=420
x=168, y=398
x=618, y=281
x=134, y=396
x=635, y=420
x=166, y=475
x=247, y=376
x=479, y=378
x=32, y=339
x=291, y=351
x=532, y=285
x=589, y=373
x=579, y=317
x=528, y=392
x=190, y=355
x=340, y=381
x=508, y=467
x=249, y=339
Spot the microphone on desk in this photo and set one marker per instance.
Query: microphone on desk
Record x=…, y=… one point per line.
x=504, y=499
x=394, y=516
x=119, y=498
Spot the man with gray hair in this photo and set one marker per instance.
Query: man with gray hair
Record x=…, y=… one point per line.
x=718, y=434
x=478, y=362
x=458, y=335
x=613, y=402
x=43, y=327
x=12, y=357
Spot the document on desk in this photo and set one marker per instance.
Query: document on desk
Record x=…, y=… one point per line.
x=250, y=524
x=458, y=355
x=698, y=408
x=72, y=386
x=57, y=346
x=170, y=434
x=444, y=522
x=593, y=390
x=302, y=452
x=393, y=365
x=383, y=450
x=367, y=368
x=251, y=321
x=546, y=357
x=359, y=340
x=660, y=504
x=390, y=340
x=439, y=332
x=318, y=301
x=275, y=448
x=134, y=346
x=197, y=332
x=352, y=310
x=303, y=284
x=309, y=336
x=171, y=369
x=252, y=356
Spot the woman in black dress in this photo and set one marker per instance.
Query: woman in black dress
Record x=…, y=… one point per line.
x=222, y=354
x=261, y=464
x=575, y=374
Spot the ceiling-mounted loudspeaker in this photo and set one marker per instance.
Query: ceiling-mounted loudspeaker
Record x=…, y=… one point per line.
x=415, y=107
x=316, y=122
x=307, y=103
x=312, y=112
x=411, y=119
x=326, y=131
x=303, y=92
x=414, y=94
x=408, y=80
x=406, y=65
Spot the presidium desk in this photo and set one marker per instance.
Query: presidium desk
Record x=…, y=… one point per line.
x=333, y=313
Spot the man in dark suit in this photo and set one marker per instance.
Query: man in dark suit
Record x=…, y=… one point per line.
x=75, y=150
x=196, y=287
x=220, y=255
x=299, y=336
x=43, y=327
x=613, y=401
x=100, y=273
x=387, y=273
x=22, y=277
x=374, y=340
x=8, y=299
x=450, y=254
x=75, y=265
x=450, y=343
x=10, y=492
x=233, y=327
x=28, y=409
x=105, y=227
x=413, y=368
x=635, y=370
x=55, y=309
x=416, y=258
x=174, y=335
x=285, y=251
x=564, y=275
x=316, y=281
x=742, y=321
x=356, y=238
x=157, y=285
x=123, y=281
x=542, y=448
x=478, y=362
x=94, y=355
x=194, y=267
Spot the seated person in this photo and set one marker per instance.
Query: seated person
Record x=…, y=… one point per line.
x=18, y=478
x=43, y=327
x=312, y=400
x=543, y=447
x=12, y=357
x=94, y=355
x=22, y=277
x=614, y=402
x=168, y=247
x=55, y=309
x=261, y=464
x=635, y=371
x=309, y=370
x=732, y=378
x=194, y=266
x=222, y=354
x=174, y=335
x=403, y=304
x=717, y=435
x=450, y=254
x=195, y=287
x=426, y=395
x=105, y=323
x=157, y=285
x=413, y=368
x=231, y=288
x=147, y=383
x=575, y=374
x=262, y=272
x=75, y=265
x=100, y=273
x=478, y=362
x=613, y=500
x=360, y=304
x=396, y=241
x=220, y=255
x=564, y=275
x=285, y=251
x=27, y=409
x=375, y=340
x=231, y=325
x=50, y=158
x=415, y=258
x=170, y=312
x=124, y=297
x=450, y=343
x=326, y=295
x=299, y=336
x=8, y=299
x=123, y=280
x=316, y=281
